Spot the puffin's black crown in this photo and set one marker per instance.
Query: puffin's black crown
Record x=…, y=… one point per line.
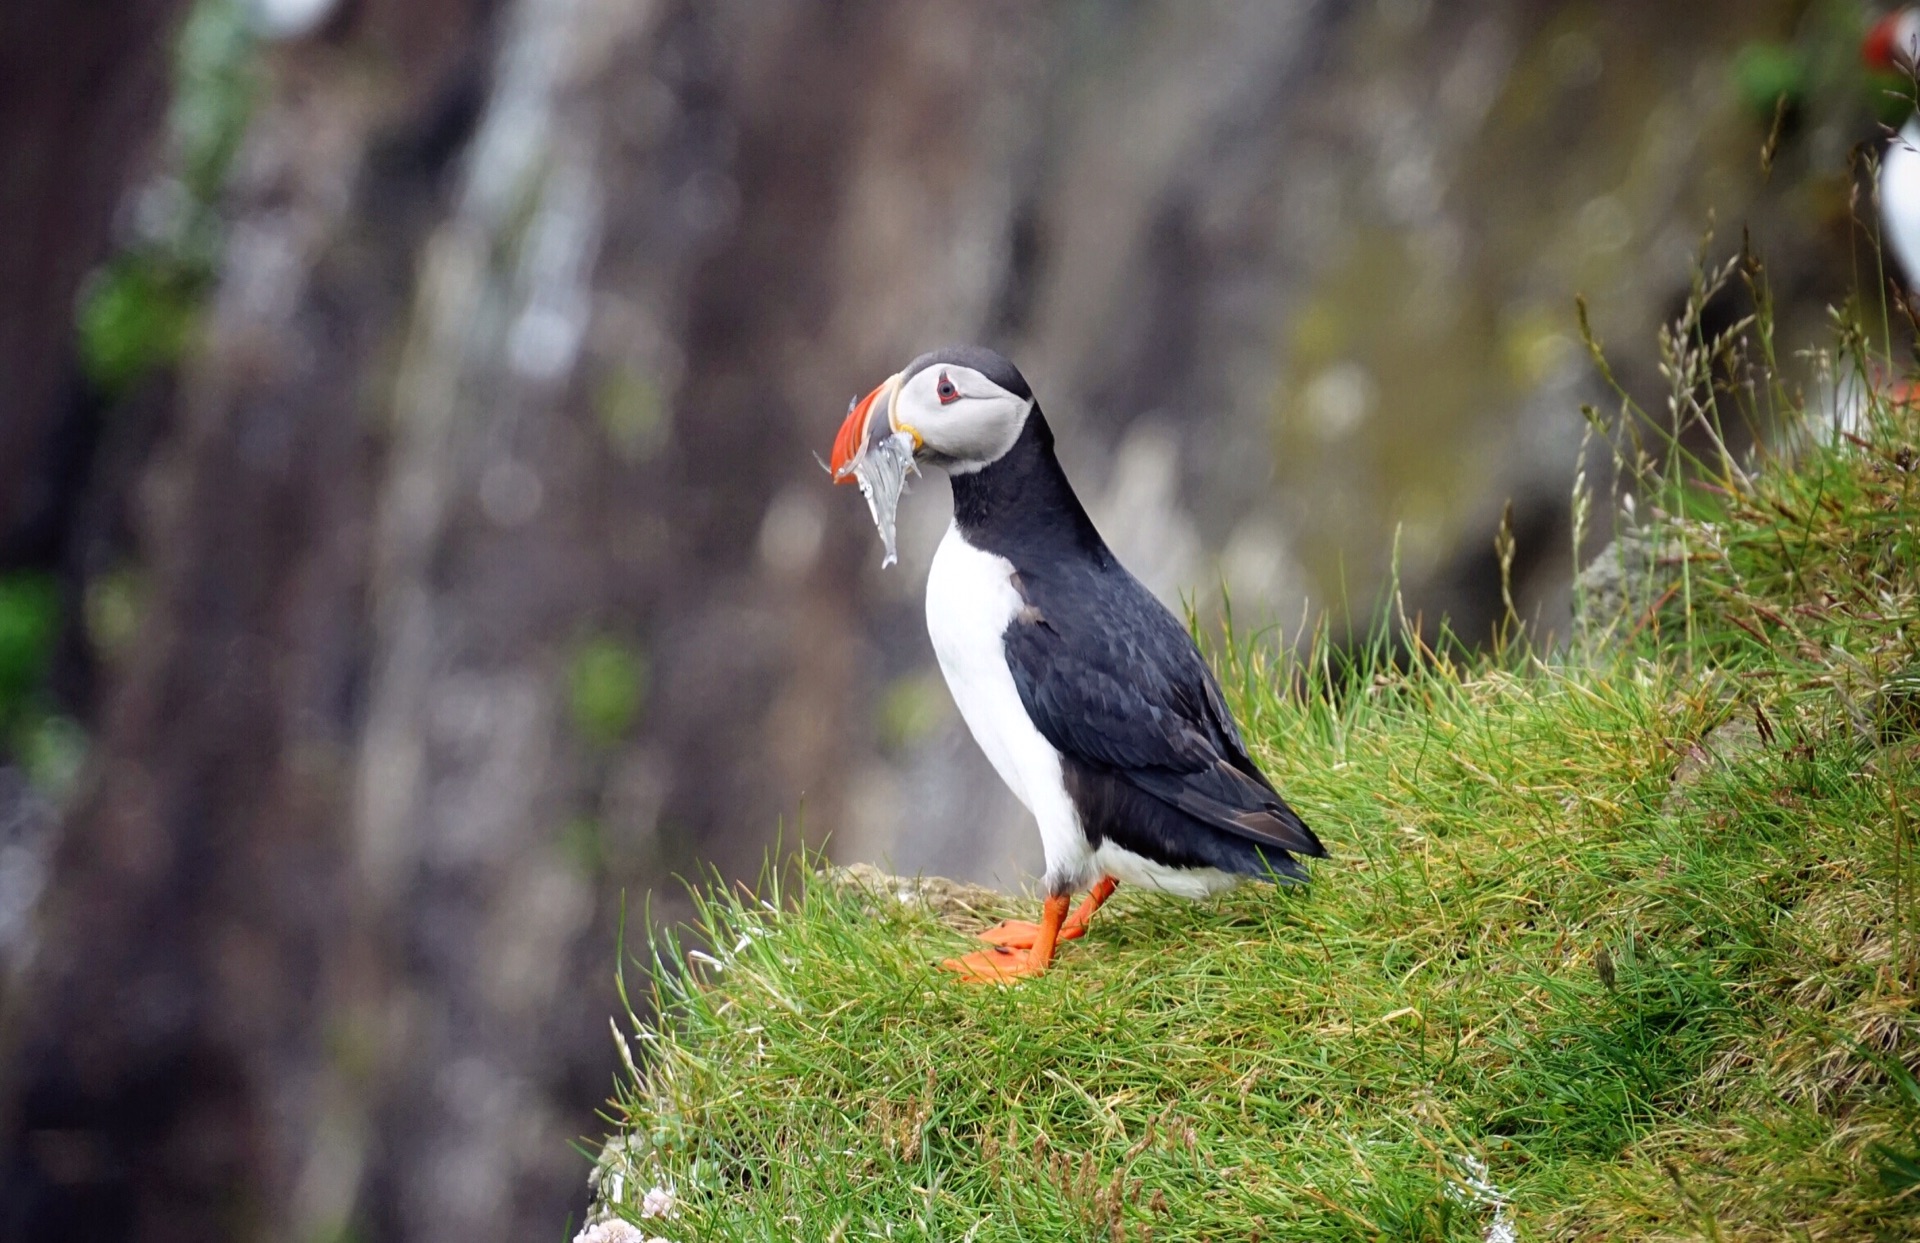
x=994, y=366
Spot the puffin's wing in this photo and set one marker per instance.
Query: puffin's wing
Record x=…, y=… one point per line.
x=1111, y=679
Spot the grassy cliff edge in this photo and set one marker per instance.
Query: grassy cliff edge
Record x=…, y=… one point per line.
x=1622, y=943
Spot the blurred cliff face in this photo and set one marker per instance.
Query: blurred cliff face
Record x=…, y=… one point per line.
x=1297, y=283
x=452, y=559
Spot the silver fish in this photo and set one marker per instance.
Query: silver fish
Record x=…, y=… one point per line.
x=881, y=469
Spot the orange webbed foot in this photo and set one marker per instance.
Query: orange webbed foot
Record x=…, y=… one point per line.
x=995, y=966
x=1020, y=934
x=1000, y=964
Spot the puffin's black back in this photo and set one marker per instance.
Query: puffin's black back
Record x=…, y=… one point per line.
x=1151, y=756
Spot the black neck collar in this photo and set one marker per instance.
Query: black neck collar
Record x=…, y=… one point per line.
x=1021, y=506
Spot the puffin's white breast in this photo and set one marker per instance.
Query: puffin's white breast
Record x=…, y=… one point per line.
x=970, y=601
x=1900, y=201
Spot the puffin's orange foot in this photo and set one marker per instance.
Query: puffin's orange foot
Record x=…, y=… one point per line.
x=1020, y=934
x=995, y=966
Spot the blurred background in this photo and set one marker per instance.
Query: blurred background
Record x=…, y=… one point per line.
x=411, y=539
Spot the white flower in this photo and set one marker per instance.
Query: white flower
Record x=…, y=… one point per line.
x=658, y=1202
x=613, y=1230
x=1478, y=1190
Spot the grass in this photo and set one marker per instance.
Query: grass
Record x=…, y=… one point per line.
x=1538, y=980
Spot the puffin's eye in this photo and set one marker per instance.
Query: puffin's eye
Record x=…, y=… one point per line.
x=948, y=394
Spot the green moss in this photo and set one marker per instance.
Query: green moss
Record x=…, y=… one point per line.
x=911, y=708
x=112, y=609
x=1769, y=76
x=137, y=314
x=607, y=682
x=138, y=311
x=216, y=86
x=632, y=413
x=29, y=623
x=52, y=749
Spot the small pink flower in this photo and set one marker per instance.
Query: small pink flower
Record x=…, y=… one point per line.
x=613, y=1230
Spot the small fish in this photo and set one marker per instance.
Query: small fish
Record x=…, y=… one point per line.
x=881, y=468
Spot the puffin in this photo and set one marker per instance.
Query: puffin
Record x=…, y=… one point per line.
x=1893, y=45
x=1087, y=695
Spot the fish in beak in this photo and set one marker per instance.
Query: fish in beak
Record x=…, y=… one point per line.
x=872, y=450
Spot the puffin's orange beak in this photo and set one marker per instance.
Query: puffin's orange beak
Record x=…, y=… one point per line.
x=857, y=430
x=1878, y=50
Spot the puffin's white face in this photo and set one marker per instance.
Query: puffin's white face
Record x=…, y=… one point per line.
x=959, y=419
x=1894, y=42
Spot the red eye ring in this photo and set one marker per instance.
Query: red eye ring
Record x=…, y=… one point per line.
x=945, y=390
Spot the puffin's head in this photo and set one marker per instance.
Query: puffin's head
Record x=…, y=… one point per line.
x=964, y=406
x=1894, y=42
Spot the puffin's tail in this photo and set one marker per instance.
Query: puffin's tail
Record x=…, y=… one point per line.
x=1224, y=798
